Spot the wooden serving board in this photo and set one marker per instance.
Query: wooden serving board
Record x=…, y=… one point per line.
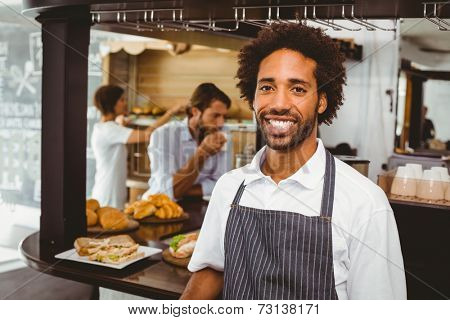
x=153, y=219
x=167, y=257
x=132, y=226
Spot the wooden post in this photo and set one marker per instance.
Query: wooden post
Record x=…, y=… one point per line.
x=65, y=37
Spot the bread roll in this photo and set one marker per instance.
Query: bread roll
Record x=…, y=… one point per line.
x=113, y=220
x=91, y=217
x=92, y=204
x=104, y=210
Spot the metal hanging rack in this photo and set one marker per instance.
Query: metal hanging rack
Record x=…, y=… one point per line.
x=157, y=19
x=433, y=16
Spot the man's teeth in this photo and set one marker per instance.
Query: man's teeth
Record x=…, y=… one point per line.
x=281, y=124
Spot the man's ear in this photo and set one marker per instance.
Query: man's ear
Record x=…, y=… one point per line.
x=323, y=102
x=196, y=113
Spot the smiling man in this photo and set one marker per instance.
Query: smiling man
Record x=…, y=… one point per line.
x=295, y=223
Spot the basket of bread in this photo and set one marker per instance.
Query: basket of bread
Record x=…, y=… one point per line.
x=157, y=208
x=107, y=219
x=180, y=249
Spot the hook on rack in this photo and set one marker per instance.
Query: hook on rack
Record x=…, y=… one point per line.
x=333, y=25
x=433, y=17
x=369, y=26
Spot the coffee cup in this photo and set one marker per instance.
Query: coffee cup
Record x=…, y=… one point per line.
x=404, y=183
x=430, y=186
x=416, y=168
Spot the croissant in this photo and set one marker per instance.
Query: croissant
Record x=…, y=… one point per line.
x=159, y=199
x=165, y=212
x=132, y=208
x=169, y=211
x=177, y=210
x=144, y=210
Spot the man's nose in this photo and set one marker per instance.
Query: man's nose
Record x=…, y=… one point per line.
x=281, y=100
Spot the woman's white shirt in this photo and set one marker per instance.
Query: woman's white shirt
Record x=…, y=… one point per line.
x=109, y=146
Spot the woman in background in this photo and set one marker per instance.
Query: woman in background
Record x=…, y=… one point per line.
x=109, y=140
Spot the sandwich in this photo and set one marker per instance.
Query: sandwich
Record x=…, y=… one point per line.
x=115, y=250
x=116, y=255
x=182, y=246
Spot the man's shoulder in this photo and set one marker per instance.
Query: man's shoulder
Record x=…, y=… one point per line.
x=172, y=126
x=230, y=181
x=359, y=189
x=168, y=133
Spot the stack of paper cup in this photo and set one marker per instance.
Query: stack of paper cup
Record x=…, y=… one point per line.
x=445, y=178
x=404, y=183
x=431, y=186
x=416, y=168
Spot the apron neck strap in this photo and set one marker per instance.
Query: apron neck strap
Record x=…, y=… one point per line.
x=237, y=197
x=326, y=209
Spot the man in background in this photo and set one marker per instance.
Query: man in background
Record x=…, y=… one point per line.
x=185, y=156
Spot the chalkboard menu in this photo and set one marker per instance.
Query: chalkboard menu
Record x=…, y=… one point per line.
x=20, y=114
x=20, y=111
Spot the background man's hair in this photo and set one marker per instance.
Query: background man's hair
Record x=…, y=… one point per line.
x=203, y=95
x=313, y=43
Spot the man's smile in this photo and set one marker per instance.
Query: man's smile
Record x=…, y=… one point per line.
x=279, y=126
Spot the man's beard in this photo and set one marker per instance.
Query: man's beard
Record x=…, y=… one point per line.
x=304, y=130
x=203, y=131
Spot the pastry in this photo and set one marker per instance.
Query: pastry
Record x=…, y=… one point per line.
x=91, y=217
x=159, y=199
x=113, y=220
x=144, y=209
x=104, y=210
x=92, y=204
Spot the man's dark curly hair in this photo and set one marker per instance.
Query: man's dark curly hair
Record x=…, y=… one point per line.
x=312, y=43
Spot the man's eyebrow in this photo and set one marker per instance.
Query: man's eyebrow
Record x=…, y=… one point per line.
x=299, y=81
x=266, y=80
x=291, y=81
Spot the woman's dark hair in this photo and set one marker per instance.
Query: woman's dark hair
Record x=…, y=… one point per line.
x=106, y=97
x=310, y=42
x=204, y=94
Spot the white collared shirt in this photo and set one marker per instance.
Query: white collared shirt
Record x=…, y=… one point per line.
x=171, y=146
x=367, y=258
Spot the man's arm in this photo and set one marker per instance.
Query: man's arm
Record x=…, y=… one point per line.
x=205, y=284
x=376, y=269
x=184, y=178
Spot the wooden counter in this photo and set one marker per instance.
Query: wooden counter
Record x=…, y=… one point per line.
x=151, y=278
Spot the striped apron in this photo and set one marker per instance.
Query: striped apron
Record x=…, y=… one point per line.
x=276, y=255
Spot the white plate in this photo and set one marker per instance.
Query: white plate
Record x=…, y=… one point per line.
x=73, y=256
